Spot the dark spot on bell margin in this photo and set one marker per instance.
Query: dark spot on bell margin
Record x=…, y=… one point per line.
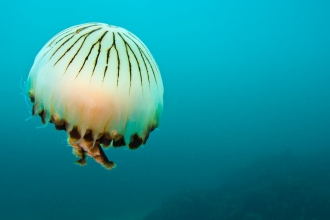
x=53, y=120
x=32, y=98
x=74, y=133
x=146, y=138
x=136, y=142
x=153, y=127
x=61, y=126
x=31, y=95
x=150, y=129
x=119, y=143
x=42, y=115
x=88, y=135
x=105, y=140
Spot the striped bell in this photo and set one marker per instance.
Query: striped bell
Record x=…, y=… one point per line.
x=101, y=85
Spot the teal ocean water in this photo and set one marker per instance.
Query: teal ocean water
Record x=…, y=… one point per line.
x=245, y=131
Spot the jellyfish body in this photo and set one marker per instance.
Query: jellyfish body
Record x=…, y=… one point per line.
x=101, y=85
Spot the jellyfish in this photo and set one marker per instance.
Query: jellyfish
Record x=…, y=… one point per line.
x=101, y=85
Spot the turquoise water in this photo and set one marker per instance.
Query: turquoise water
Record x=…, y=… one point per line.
x=245, y=131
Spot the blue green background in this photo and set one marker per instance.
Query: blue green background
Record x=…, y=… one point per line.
x=246, y=114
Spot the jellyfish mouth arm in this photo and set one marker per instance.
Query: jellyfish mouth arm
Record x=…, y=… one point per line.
x=79, y=152
x=94, y=150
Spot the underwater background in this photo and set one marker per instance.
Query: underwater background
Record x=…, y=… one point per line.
x=245, y=132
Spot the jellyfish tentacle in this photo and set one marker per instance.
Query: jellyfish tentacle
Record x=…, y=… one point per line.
x=79, y=152
x=94, y=150
x=100, y=157
x=91, y=148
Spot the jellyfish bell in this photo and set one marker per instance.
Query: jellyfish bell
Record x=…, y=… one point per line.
x=101, y=85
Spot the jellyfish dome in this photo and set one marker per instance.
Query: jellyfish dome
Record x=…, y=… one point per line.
x=101, y=85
